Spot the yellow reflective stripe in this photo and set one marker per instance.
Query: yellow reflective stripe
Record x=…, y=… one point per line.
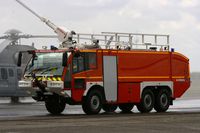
x=143, y=77
x=79, y=77
x=59, y=79
x=98, y=77
x=39, y=78
x=180, y=77
x=147, y=52
x=49, y=79
x=54, y=79
x=87, y=50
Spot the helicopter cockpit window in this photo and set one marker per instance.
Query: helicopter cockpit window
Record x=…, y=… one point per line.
x=4, y=74
x=11, y=72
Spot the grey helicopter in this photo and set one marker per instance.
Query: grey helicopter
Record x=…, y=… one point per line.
x=10, y=73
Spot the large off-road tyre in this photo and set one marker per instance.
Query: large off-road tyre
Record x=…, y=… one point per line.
x=92, y=103
x=147, y=101
x=126, y=108
x=162, y=100
x=55, y=105
x=109, y=107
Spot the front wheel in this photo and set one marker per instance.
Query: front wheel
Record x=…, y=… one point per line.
x=92, y=103
x=147, y=102
x=55, y=105
x=162, y=101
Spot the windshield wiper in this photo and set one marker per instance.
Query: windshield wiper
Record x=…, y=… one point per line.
x=49, y=69
x=36, y=70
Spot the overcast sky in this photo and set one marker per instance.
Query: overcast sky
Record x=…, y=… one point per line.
x=179, y=18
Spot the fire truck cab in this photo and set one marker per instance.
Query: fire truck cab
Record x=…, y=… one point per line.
x=109, y=77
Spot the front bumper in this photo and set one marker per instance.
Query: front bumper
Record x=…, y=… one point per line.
x=27, y=85
x=58, y=88
x=51, y=87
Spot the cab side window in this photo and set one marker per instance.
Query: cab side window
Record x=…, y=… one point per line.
x=86, y=61
x=78, y=64
x=91, y=61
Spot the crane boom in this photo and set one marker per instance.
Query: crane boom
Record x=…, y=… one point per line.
x=29, y=10
x=64, y=36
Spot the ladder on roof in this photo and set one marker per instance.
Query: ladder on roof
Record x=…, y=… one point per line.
x=131, y=41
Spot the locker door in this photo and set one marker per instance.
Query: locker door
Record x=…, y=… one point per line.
x=110, y=77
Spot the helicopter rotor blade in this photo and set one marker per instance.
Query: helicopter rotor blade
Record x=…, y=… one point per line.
x=37, y=36
x=43, y=36
x=4, y=44
x=3, y=37
x=26, y=36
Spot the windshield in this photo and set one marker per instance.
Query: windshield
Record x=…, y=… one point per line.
x=47, y=64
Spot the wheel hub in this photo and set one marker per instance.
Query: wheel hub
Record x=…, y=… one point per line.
x=163, y=100
x=95, y=102
x=147, y=101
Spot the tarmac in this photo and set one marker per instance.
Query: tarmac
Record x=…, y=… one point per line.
x=32, y=117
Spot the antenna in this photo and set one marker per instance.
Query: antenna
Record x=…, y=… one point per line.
x=65, y=36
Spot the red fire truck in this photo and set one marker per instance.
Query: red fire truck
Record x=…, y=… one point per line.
x=116, y=70
x=106, y=78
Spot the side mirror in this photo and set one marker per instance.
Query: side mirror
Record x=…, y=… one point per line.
x=19, y=60
x=64, y=59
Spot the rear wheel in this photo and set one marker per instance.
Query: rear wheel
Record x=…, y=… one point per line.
x=162, y=100
x=55, y=104
x=147, y=102
x=126, y=108
x=109, y=107
x=92, y=104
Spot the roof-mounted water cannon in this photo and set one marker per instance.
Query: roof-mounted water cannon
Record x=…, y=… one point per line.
x=64, y=35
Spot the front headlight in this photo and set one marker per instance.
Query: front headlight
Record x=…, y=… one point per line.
x=23, y=83
x=55, y=84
